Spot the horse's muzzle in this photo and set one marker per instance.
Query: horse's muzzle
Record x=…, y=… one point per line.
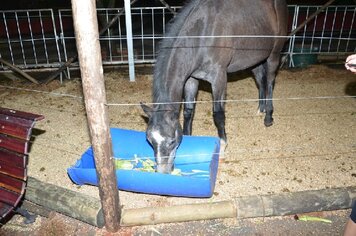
x=164, y=165
x=165, y=168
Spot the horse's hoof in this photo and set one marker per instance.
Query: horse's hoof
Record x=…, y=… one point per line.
x=268, y=123
x=223, y=145
x=259, y=112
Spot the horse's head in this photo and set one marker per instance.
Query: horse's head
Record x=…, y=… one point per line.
x=164, y=132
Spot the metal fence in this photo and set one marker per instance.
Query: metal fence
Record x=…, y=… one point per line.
x=332, y=32
x=29, y=38
x=44, y=39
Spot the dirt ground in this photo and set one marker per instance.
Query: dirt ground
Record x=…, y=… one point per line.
x=310, y=146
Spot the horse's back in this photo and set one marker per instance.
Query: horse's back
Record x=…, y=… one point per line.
x=232, y=35
x=236, y=16
x=241, y=30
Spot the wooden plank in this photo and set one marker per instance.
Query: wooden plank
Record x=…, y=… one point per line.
x=13, y=159
x=5, y=209
x=9, y=197
x=12, y=184
x=21, y=114
x=13, y=144
x=15, y=130
x=13, y=171
x=16, y=120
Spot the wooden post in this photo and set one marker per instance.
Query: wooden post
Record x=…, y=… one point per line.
x=87, y=40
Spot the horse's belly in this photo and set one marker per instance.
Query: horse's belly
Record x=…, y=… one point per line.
x=241, y=62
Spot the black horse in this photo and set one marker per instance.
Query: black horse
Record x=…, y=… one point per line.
x=207, y=40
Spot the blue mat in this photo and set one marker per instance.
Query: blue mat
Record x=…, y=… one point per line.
x=194, y=153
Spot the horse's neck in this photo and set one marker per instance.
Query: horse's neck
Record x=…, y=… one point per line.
x=170, y=74
x=167, y=100
x=168, y=88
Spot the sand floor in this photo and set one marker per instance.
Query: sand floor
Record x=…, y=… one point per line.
x=312, y=144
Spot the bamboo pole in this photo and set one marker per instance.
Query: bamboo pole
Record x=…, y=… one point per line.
x=179, y=213
x=87, y=40
x=87, y=209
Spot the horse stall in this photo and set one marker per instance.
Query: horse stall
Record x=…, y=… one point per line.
x=304, y=162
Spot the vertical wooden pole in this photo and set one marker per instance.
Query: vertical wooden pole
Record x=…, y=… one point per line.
x=87, y=40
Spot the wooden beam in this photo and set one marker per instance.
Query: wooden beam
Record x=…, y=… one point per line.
x=61, y=69
x=87, y=40
x=64, y=201
x=19, y=71
x=88, y=209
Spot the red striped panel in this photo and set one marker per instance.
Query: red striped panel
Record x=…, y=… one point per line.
x=16, y=120
x=16, y=172
x=13, y=144
x=15, y=130
x=4, y=209
x=9, y=197
x=13, y=159
x=21, y=114
x=11, y=183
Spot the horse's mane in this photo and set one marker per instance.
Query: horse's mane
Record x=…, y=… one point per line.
x=173, y=29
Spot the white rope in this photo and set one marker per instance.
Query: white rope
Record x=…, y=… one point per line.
x=339, y=148
x=44, y=92
x=243, y=36
x=235, y=100
x=183, y=102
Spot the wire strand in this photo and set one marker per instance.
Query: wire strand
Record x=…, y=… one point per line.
x=44, y=92
x=184, y=102
x=243, y=36
x=235, y=100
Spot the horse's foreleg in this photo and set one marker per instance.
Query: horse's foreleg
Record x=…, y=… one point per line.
x=260, y=74
x=190, y=93
x=272, y=66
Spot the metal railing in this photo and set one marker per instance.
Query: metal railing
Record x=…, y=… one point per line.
x=332, y=32
x=43, y=39
x=28, y=38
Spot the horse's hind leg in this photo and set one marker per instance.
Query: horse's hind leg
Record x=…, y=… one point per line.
x=218, y=84
x=272, y=67
x=190, y=93
x=260, y=74
x=218, y=81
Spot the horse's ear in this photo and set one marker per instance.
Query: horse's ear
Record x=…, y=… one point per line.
x=148, y=110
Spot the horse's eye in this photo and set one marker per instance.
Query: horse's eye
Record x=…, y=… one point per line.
x=170, y=142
